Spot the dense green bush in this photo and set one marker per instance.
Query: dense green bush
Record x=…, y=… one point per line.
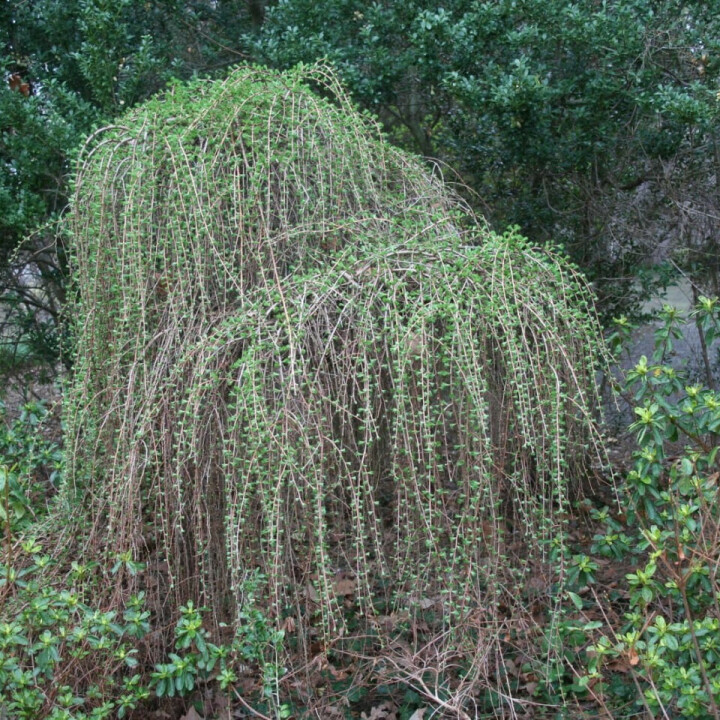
x=659, y=646
x=580, y=122
x=30, y=466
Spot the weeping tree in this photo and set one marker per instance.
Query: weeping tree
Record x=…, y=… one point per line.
x=298, y=354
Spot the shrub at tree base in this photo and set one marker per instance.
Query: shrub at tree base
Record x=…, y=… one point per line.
x=298, y=354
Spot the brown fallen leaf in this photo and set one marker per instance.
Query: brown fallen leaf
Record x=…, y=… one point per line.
x=191, y=714
x=385, y=711
x=345, y=586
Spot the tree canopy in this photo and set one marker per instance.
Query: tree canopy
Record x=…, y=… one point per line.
x=593, y=125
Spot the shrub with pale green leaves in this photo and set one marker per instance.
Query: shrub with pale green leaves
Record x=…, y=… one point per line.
x=298, y=352
x=663, y=653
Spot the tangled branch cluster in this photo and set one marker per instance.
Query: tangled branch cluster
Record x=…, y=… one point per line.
x=296, y=351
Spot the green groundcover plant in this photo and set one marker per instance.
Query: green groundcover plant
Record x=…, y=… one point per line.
x=63, y=658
